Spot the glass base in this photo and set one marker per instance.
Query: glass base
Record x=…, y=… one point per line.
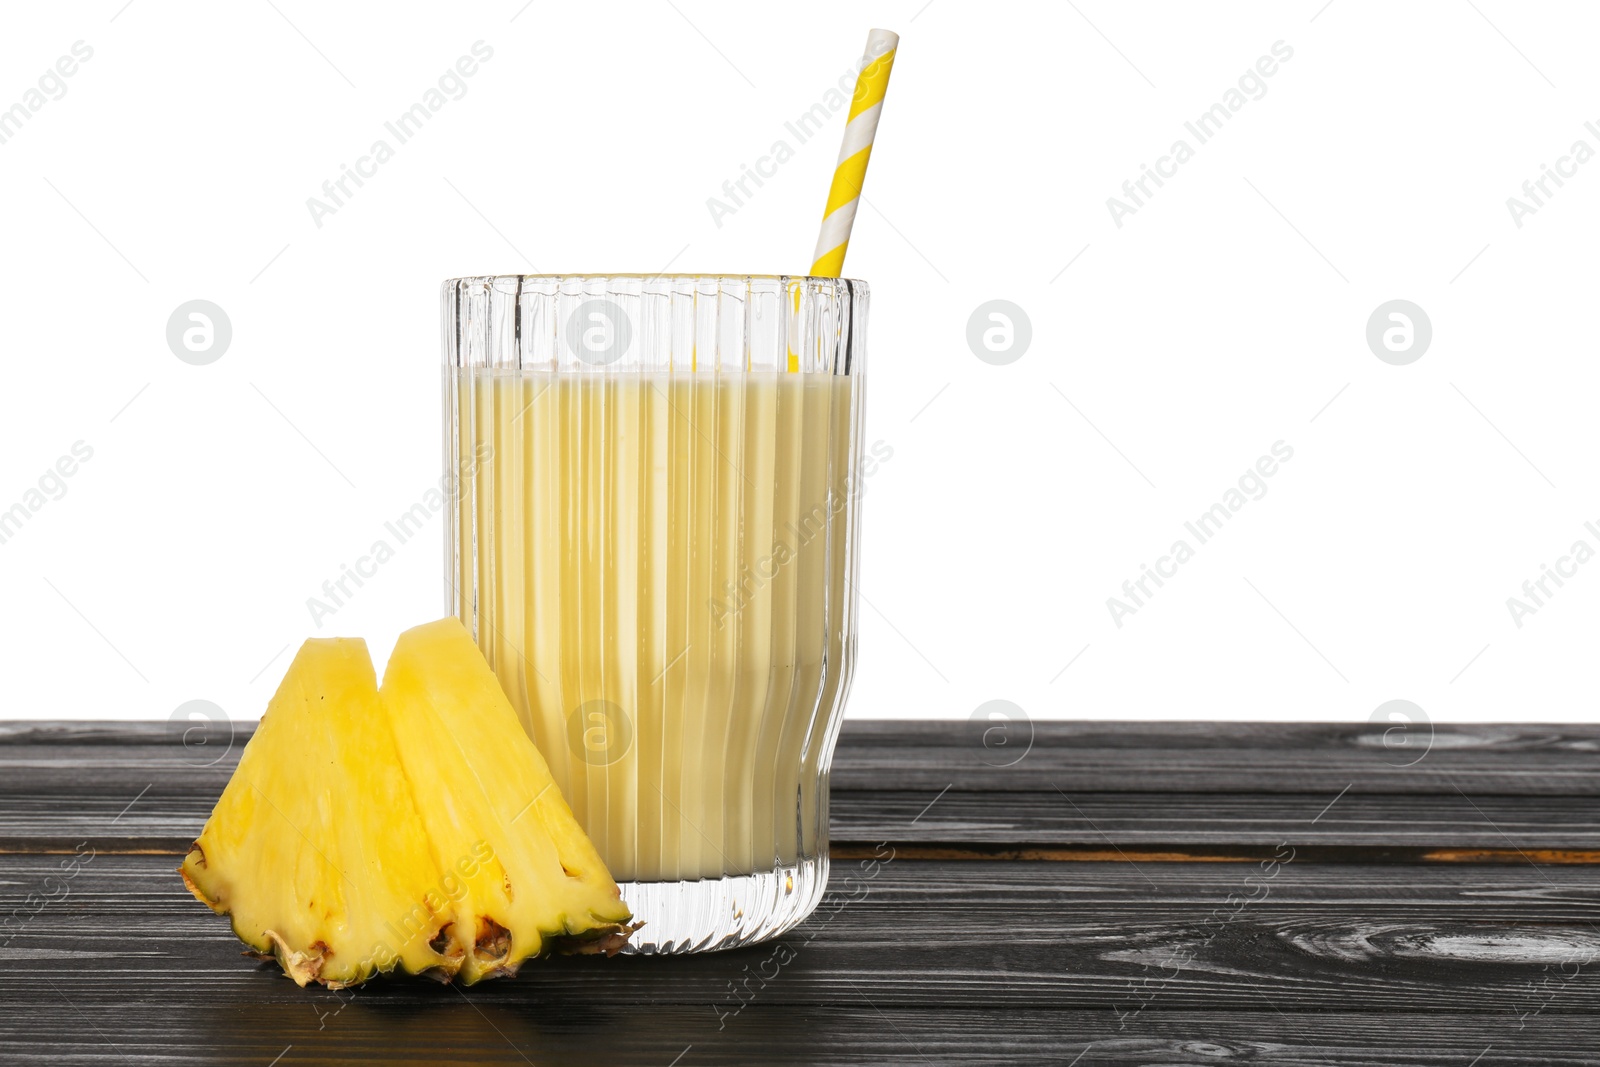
x=711, y=914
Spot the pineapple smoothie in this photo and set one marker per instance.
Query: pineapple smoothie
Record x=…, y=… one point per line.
x=656, y=565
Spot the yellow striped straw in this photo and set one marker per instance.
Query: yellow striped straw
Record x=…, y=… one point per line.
x=862, y=126
x=866, y=104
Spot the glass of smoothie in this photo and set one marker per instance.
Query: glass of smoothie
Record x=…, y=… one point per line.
x=653, y=538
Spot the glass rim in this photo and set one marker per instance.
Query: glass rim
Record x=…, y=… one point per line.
x=654, y=321
x=627, y=275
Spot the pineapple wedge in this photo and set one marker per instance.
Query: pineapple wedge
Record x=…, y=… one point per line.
x=417, y=828
x=484, y=791
x=315, y=847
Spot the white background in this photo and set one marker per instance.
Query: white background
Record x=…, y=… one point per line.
x=1227, y=314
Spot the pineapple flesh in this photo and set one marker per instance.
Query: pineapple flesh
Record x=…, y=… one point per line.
x=416, y=827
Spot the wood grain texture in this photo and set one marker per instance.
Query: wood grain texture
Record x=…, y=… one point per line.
x=1356, y=912
x=151, y=818
x=1527, y=759
x=980, y=963
x=1187, y=757
x=1136, y=823
x=919, y=934
x=1149, y=819
x=139, y=787
x=449, y=1030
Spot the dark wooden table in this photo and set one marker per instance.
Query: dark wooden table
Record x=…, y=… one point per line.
x=1118, y=894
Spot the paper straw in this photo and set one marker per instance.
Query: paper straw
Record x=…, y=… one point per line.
x=851, y=171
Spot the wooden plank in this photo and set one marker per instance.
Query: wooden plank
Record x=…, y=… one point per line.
x=1146, y=820
x=1135, y=939
x=915, y=755
x=147, y=1029
x=102, y=731
x=135, y=787
x=1226, y=757
x=150, y=818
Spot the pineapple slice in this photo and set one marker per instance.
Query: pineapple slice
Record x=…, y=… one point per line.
x=485, y=792
x=417, y=828
x=315, y=848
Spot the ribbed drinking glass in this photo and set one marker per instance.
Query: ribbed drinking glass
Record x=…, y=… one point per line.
x=653, y=540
